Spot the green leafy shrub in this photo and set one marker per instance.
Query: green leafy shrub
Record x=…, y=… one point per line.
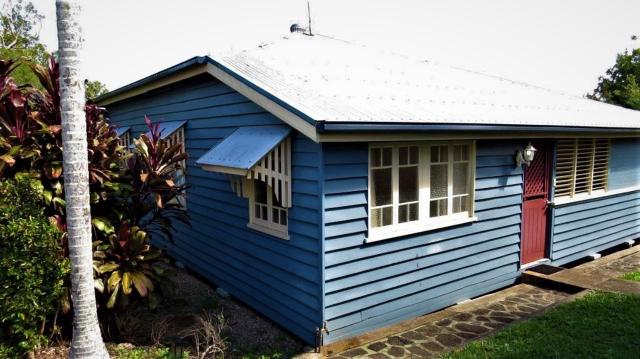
x=32, y=269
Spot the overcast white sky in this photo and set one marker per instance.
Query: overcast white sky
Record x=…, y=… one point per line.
x=562, y=45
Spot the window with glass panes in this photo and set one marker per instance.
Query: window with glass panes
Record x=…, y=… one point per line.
x=416, y=185
x=267, y=210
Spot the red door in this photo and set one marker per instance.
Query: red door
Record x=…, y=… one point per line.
x=534, y=209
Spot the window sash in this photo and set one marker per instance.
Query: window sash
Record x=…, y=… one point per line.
x=424, y=186
x=581, y=167
x=269, y=223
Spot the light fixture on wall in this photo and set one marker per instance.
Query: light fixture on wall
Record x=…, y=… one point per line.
x=525, y=156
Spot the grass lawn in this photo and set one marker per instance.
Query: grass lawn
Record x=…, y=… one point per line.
x=635, y=276
x=143, y=353
x=599, y=325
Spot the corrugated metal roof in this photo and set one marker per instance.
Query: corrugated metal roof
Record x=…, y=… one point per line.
x=168, y=128
x=244, y=147
x=122, y=130
x=334, y=81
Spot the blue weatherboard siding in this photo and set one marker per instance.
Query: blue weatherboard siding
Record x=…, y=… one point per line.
x=624, y=165
x=586, y=227
x=371, y=285
x=279, y=278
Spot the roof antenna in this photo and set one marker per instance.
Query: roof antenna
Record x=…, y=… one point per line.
x=297, y=28
x=309, y=17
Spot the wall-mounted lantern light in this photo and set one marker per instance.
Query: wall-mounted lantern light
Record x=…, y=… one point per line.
x=525, y=156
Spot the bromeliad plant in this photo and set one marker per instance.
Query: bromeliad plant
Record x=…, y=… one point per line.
x=126, y=263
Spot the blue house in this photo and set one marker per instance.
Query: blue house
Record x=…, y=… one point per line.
x=337, y=189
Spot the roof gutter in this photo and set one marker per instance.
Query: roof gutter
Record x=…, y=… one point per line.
x=382, y=127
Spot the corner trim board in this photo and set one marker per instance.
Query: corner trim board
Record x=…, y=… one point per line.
x=271, y=106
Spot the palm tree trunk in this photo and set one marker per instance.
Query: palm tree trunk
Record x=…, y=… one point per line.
x=87, y=340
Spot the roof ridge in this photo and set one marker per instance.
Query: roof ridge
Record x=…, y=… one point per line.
x=454, y=67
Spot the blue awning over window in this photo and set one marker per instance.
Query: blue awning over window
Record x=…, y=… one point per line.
x=242, y=150
x=168, y=128
x=122, y=130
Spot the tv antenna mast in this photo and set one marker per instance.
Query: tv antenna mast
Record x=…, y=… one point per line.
x=309, y=17
x=304, y=30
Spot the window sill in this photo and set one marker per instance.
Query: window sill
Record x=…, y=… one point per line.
x=565, y=201
x=269, y=231
x=418, y=228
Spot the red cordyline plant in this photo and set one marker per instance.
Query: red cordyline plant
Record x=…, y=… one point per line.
x=30, y=136
x=17, y=127
x=133, y=196
x=127, y=267
x=154, y=198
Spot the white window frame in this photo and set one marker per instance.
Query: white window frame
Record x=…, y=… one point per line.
x=424, y=222
x=590, y=193
x=266, y=226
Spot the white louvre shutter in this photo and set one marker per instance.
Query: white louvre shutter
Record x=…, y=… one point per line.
x=600, y=164
x=582, y=166
x=565, y=167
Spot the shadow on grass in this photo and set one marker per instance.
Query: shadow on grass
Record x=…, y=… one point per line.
x=599, y=325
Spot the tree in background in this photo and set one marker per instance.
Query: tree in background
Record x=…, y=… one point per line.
x=20, y=24
x=94, y=89
x=87, y=340
x=19, y=38
x=621, y=83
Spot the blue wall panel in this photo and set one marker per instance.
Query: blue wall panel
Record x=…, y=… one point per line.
x=624, y=163
x=279, y=278
x=586, y=227
x=369, y=285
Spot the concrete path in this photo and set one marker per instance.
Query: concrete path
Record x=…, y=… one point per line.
x=457, y=325
x=601, y=274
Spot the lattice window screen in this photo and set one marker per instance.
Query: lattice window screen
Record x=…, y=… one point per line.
x=125, y=140
x=239, y=185
x=180, y=177
x=275, y=170
x=178, y=138
x=582, y=166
